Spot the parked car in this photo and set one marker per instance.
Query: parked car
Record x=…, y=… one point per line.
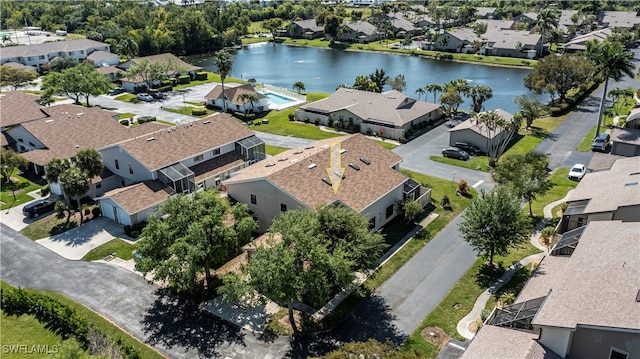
x=577, y=172
x=467, y=147
x=144, y=97
x=601, y=142
x=36, y=208
x=156, y=94
x=117, y=91
x=455, y=152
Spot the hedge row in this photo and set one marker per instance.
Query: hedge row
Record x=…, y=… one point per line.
x=201, y=76
x=198, y=111
x=145, y=119
x=57, y=317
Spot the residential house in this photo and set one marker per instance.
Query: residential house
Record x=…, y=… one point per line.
x=605, y=196
x=619, y=19
x=483, y=12
x=625, y=142
x=477, y=134
x=529, y=18
x=103, y=58
x=390, y=114
x=17, y=65
x=134, y=204
x=579, y=43
x=601, y=161
x=40, y=54
x=493, y=25
x=511, y=43
x=458, y=40
x=359, y=31
x=400, y=24
x=307, y=29
x=565, y=24
x=633, y=119
x=234, y=101
x=581, y=302
x=170, y=61
x=350, y=171
x=424, y=21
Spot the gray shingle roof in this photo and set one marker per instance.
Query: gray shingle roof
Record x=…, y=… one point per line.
x=624, y=19
x=49, y=47
x=502, y=343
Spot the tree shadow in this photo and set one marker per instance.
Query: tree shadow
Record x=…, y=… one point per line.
x=175, y=321
x=488, y=274
x=370, y=319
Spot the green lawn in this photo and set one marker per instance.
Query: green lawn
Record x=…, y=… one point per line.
x=211, y=77
x=95, y=320
x=126, y=115
x=127, y=97
x=187, y=111
x=561, y=185
x=480, y=163
x=387, y=145
x=464, y=292
x=585, y=144
x=514, y=286
x=274, y=150
x=118, y=247
x=26, y=330
x=48, y=226
x=21, y=186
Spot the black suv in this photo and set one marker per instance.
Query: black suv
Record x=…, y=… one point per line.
x=467, y=147
x=455, y=152
x=36, y=208
x=601, y=142
x=156, y=94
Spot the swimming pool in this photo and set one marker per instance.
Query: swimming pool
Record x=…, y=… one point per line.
x=277, y=99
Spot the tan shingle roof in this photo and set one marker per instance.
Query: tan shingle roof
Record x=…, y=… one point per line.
x=608, y=190
x=50, y=47
x=309, y=24
x=391, y=107
x=215, y=165
x=464, y=34
x=362, y=27
x=17, y=107
x=139, y=196
x=602, y=161
x=70, y=128
x=177, y=143
x=100, y=55
x=502, y=343
x=359, y=189
x=497, y=24
x=473, y=125
x=167, y=57
x=544, y=278
x=232, y=93
x=509, y=39
x=626, y=135
x=600, y=282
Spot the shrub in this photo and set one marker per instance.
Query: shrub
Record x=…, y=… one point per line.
x=292, y=117
x=306, y=120
x=124, y=122
x=485, y=314
x=201, y=75
x=134, y=233
x=185, y=79
x=164, y=89
x=257, y=122
x=45, y=190
x=86, y=210
x=139, y=89
x=59, y=208
x=145, y=119
x=198, y=111
x=401, y=139
x=164, y=83
x=316, y=121
x=463, y=188
x=445, y=202
x=127, y=229
x=96, y=212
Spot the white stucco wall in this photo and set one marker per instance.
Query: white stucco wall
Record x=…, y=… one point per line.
x=109, y=209
x=25, y=141
x=140, y=172
x=556, y=339
x=379, y=208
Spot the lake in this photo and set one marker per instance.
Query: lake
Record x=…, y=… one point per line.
x=322, y=70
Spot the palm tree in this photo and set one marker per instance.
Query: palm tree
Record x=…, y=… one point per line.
x=55, y=168
x=420, y=91
x=224, y=63
x=90, y=161
x=299, y=86
x=547, y=19
x=248, y=97
x=613, y=61
x=435, y=89
x=479, y=94
x=76, y=183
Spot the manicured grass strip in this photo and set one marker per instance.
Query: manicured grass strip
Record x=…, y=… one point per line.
x=561, y=185
x=126, y=115
x=26, y=330
x=514, y=286
x=387, y=145
x=187, y=111
x=479, y=163
x=274, y=150
x=585, y=144
x=116, y=246
x=166, y=122
x=21, y=186
x=279, y=124
x=48, y=226
x=464, y=292
x=97, y=321
x=211, y=77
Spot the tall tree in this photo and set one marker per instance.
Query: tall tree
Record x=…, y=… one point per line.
x=90, y=161
x=10, y=161
x=493, y=124
x=16, y=77
x=435, y=89
x=530, y=108
x=76, y=82
x=617, y=93
x=479, y=94
x=61, y=63
x=548, y=18
x=55, y=168
x=379, y=79
x=558, y=75
x=398, y=83
x=148, y=71
x=420, y=91
x=75, y=183
x=493, y=223
x=451, y=100
x=224, y=63
x=526, y=175
x=613, y=61
x=194, y=238
x=310, y=254
x=298, y=86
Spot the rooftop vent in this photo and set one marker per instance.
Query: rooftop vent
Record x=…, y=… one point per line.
x=283, y=159
x=365, y=161
x=297, y=152
x=150, y=139
x=294, y=160
x=630, y=184
x=638, y=296
x=205, y=122
x=324, y=147
x=342, y=151
x=354, y=166
x=48, y=121
x=327, y=181
x=79, y=113
x=308, y=148
x=311, y=166
x=270, y=165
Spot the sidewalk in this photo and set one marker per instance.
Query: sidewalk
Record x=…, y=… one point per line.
x=481, y=302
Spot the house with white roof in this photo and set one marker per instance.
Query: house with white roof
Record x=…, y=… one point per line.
x=351, y=171
x=390, y=114
x=40, y=54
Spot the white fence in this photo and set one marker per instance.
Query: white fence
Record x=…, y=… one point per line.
x=284, y=92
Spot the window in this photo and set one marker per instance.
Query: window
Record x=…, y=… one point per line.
x=283, y=207
x=117, y=164
x=372, y=222
x=198, y=158
x=389, y=211
x=618, y=354
x=130, y=168
x=98, y=185
x=41, y=57
x=216, y=152
x=20, y=140
x=254, y=200
x=31, y=143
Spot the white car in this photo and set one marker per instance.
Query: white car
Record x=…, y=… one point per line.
x=144, y=97
x=577, y=172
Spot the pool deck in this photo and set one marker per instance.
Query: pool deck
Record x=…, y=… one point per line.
x=278, y=107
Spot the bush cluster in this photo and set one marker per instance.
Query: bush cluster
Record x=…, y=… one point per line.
x=124, y=122
x=201, y=76
x=164, y=88
x=135, y=230
x=45, y=190
x=185, y=79
x=145, y=119
x=198, y=111
x=140, y=89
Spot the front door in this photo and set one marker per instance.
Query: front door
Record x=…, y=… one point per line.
x=115, y=215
